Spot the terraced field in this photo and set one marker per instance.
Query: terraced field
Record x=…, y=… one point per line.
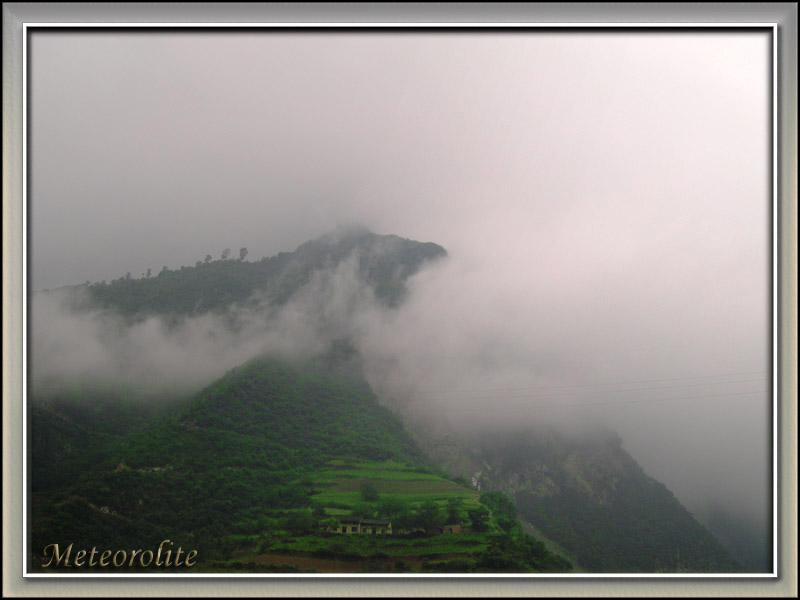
x=338, y=489
x=340, y=484
x=422, y=506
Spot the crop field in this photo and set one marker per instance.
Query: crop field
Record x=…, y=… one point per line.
x=415, y=501
x=340, y=483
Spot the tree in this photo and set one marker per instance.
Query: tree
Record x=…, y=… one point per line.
x=502, y=508
x=391, y=507
x=149, y=272
x=369, y=493
x=501, y=556
x=403, y=521
x=330, y=522
x=429, y=516
x=299, y=521
x=318, y=511
x=453, y=509
x=242, y=253
x=363, y=510
x=480, y=518
x=226, y=253
x=207, y=259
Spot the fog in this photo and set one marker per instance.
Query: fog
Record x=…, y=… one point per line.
x=603, y=197
x=72, y=343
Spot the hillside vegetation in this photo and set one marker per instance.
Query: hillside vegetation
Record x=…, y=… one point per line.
x=383, y=262
x=253, y=469
x=590, y=497
x=256, y=469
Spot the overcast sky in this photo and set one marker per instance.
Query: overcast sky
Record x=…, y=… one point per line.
x=604, y=198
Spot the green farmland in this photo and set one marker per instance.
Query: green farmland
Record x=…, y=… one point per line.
x=405, y=495
x=340, y=483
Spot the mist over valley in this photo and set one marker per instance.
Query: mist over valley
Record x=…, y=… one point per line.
x=458, y=388
x=517, y=285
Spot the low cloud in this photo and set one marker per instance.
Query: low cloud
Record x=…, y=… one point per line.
x=681, y=376
x=101, y=346
x=605, y=201
x=476, y=351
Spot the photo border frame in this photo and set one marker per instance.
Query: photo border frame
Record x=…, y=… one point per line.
x=785, y=300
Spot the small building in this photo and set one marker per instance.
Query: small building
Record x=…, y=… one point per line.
x=377, y=526
x=350, y=524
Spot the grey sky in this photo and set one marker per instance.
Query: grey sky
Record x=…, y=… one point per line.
x=604, y=198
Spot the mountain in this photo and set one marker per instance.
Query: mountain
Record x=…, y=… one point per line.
x=382, y=262
x=256, y=467
x=253, y=472
x=748, y=541
x=586, y=494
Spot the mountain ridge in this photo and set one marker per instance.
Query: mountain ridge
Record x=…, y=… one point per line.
x=544, y=473
x=383, y=262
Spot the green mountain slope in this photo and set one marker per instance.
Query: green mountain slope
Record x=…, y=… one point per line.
x=71, y=428
x=274, y=413
x=273, y=448
x=588, y=495
x=255, y=468
x=749, y=542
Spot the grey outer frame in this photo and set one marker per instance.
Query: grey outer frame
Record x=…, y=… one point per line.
x=784, y=14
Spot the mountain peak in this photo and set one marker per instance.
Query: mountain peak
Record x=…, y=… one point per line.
x=351, y=230
x=348, y=234
x=384, y=263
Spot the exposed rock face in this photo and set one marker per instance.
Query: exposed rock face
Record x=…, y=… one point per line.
x=583, y=493
x=541, y=463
